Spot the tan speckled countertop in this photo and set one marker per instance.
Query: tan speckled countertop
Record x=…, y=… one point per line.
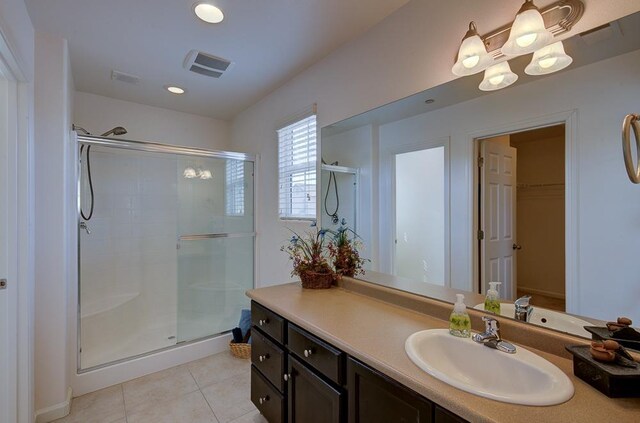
x=374, y=331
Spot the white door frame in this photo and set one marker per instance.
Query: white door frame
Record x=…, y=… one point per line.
x=20, y=289
x=570, y=120
x=387, y=209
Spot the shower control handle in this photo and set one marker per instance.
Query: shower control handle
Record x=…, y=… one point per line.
x=263, y=322
x=308, y=352
x=262, y=358
x=83, y=225
x=264, y=399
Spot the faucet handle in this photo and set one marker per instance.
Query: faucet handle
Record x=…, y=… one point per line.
x=523, y=301
x=491, y=325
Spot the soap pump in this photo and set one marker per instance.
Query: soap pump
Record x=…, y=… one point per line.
x=459, y=321
x=492, y=301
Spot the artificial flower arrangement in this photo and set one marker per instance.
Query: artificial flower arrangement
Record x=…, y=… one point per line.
x=322, y=256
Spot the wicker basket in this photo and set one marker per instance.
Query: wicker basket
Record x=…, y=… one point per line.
x=314, y=280
x=240, y=350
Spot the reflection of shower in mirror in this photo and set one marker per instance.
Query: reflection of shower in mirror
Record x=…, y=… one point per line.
x=339, y=188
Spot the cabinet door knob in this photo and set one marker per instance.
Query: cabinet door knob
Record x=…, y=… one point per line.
x=263, y=322
x=263, y=357
x=308, y=352
x=264, y=399
x=286, y=377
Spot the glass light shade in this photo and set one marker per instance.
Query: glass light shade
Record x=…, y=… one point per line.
x=208, y=13
x=528, y=32
x=189, y=173
x=472, y=55
x=548, y=59
x=497, y=77
x=206, y=174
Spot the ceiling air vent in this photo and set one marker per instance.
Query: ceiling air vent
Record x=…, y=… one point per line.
x=206, y=64
x=124, y=77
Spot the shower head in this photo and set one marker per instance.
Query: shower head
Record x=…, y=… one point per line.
x=118, y=130
x=80, y=128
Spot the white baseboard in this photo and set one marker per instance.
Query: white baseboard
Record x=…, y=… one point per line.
x=56, y=411
x=541, y=292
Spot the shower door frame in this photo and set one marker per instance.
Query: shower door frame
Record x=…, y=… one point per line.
x=154, y=147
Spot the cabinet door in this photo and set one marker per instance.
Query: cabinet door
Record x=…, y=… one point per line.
x=375, y=398
x=311, y=399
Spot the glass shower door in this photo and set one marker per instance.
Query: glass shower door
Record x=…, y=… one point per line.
x=215, y=244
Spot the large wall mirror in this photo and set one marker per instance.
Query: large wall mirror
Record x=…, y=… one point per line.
x=454, y=187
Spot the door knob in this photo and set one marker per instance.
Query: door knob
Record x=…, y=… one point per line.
x=517, y=247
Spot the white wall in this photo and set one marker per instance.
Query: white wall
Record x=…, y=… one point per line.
x=98, y=114
x=416, y=44
x=53, y=208
x=17, y=31
x=600, y=94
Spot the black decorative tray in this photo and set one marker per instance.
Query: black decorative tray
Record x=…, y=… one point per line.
x=613, y=380
x=600, y=333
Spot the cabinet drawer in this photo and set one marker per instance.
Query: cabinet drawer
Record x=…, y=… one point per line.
x=266, y=398
x=323, y=357
x=269, y=359
x=268, y=322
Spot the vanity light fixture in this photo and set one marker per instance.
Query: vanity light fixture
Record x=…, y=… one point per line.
x=532, y=32
x=189, y=173
x=528, y=32
x=497, y=77
x=472, y=55
x=175, y=90
x=206, y=174
x=549, y=59
x=208, y=12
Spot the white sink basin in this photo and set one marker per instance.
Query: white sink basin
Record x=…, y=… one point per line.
x=548, y=319
x=521, y=378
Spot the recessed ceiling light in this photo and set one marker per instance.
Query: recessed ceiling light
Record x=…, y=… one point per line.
x=208, y=12
x=175, y=90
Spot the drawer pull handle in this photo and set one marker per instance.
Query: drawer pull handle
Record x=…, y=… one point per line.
x=263, y=322
x=286, y=377
x=264, y=399
x=308, y=352
x=263, y=357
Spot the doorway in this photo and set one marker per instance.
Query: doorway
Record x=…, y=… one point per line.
x=521, y=214
x=420, y=215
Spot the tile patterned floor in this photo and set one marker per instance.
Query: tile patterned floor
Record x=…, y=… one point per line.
x=214, y=389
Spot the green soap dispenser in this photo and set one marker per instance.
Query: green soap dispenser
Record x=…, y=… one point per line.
x=459, y=321
x=492, y=301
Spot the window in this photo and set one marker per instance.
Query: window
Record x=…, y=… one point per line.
x=234, y=188
x=297, y=169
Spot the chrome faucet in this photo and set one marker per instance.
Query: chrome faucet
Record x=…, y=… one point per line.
x=523, y=308
x=491, y=336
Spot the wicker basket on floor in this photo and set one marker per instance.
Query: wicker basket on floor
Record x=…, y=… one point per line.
x=240, y=350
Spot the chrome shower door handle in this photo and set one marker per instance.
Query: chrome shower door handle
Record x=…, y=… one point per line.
x=633, y=170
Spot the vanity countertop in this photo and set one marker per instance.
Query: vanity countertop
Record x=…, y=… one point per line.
x=374, y=331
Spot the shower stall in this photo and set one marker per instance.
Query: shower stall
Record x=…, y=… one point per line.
x=165, y=246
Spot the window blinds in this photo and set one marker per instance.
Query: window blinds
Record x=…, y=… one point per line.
x=234, y=192
x=297, y=169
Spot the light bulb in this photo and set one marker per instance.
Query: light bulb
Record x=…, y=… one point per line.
x=496, y=80
x=206, y=174
x=189, y=173
x=549, y=59
x=472, y=55
x=497, y=77
x=528, y=32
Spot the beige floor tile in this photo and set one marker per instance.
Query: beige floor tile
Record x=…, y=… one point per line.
x=230, y=398
x=190, y=408
x=253, y=417
x=104, y=406
x=216, y=368
x=148, y=391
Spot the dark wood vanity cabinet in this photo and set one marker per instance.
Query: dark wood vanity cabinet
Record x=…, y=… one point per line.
x=375, y=398
x=298, y=378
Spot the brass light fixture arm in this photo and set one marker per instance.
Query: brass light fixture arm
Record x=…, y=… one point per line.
x=631, y=121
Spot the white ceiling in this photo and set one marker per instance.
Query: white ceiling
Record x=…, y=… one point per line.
x=269, y=41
